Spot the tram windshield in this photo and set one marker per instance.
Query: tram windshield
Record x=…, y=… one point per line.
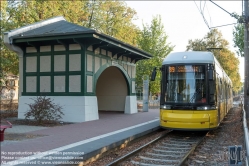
x=185, y=84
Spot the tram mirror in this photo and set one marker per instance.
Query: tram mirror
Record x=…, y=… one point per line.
x=153, y=75
x=210, y=74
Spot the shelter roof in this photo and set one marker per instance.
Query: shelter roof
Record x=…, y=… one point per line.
x=57, y=30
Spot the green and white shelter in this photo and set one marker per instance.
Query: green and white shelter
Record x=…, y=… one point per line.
x=79, y=68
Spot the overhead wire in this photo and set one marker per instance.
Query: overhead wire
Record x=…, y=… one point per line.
x=209, y=16
x=202, y=13
x=201, y=10
x=204, y=6
x=221, y=8
x=222, y=25
x=204, y=19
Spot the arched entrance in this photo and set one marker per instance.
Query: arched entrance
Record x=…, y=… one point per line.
x=111, y=90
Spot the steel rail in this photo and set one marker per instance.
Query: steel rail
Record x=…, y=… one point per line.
x=125, y=157
x=129, y=155
x=190, y=152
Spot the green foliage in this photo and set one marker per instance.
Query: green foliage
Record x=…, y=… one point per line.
x=238, y=39
x=113, y=18
x=226, y=58
x=8, y=59
x=15, y=14
x=43, y=109
x=153, y=40
x=238, y=34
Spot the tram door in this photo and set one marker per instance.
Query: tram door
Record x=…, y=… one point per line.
x=226, y=102
x=218, y=89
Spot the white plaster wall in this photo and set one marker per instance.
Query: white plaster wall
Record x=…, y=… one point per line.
x=90, y=48
x=59, y=63
x=89, y=63
x=109, y=54
x=45, y=63
x=74, y=62
x=89, y=83
x=125, y=66
x=45, y=48
x=133, y=87
x=124, y=58
x=131, y=105
x=129, y=70
x=31, y=83
x=103, y=61
x=74, y=47
x=103, y=51
x=31, y=64
x=75, y=108
x=133, y=71
x=97, y=64
x=74, y=83
x=59, y=48
x=59, y=84
x=111, y=90
x=91, y=108
x=30, y=49
x=45, y=84
x=96, y=51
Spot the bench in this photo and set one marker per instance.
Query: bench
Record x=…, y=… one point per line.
x=3, y=127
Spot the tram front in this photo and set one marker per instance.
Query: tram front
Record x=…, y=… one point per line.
x=187, y=96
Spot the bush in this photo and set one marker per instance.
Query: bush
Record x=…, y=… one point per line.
x=43, y=109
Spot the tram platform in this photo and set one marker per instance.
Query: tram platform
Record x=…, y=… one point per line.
x=68, y=144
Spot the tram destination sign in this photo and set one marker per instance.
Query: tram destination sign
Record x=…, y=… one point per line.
x=185, y=68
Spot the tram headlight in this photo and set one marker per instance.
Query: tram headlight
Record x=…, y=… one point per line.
x=166, y=107
x=206, y=108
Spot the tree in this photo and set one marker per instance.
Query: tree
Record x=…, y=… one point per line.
x=238, y=34
x=153, y=40
x=226, y=58
x=15, y=14
x=238, y=39
x=113, y=18
x=8, y=59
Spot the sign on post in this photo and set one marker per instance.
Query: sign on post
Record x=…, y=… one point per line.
x=146, y=93
x=235, y=155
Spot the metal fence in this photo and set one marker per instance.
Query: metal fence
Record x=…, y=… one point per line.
x=246, y=136
x=153, y=104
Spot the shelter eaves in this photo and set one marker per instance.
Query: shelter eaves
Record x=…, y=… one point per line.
x=57, y=30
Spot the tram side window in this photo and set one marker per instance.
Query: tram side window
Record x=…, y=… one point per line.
x=220, y=90
x=228, y=92
x=225, y=91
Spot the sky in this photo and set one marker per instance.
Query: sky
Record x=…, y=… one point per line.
x=183, y=21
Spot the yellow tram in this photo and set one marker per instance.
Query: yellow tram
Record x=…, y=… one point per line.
x=196, y=93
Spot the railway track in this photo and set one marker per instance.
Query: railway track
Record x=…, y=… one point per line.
x=172, y=148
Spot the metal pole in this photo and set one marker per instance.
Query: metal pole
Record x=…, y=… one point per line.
x=145, y=93
x=246, y=56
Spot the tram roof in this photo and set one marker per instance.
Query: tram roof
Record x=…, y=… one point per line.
x=189, y=57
